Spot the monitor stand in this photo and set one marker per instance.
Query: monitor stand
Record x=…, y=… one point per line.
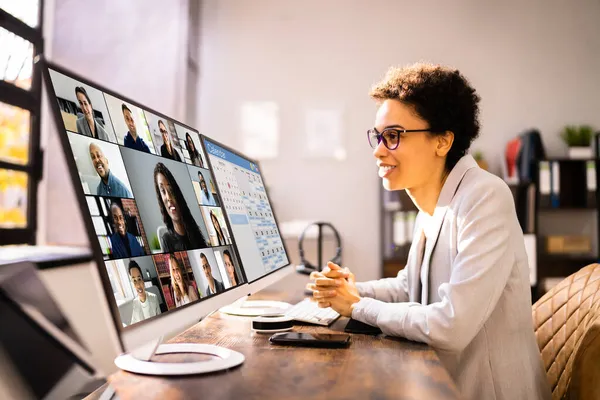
x=139, y=362
x=255, y=308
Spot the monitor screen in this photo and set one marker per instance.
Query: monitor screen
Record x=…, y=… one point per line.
x=248, y=211
x=152, y=201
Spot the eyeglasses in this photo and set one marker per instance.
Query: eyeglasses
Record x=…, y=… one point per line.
x=390, y=136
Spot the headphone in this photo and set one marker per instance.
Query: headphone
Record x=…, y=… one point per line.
x=305, y=266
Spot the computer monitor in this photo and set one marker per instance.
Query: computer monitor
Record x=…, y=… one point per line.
x=154, y=219
x=253, y=222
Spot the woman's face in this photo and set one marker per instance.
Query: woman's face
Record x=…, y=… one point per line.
x=138, y=283
x=190, y=143
x=175, y=272
x=230, y=269
x=215, y=222
x=414, y=162
x=168, y=197
x=85, y=105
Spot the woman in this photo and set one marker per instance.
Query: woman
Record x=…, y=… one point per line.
x=145, y=305
x=218, y=230
x=230, y=268
x=194, y=154
x=86, y=124
x=183, y=290
x=182, y=232
x=465, y=289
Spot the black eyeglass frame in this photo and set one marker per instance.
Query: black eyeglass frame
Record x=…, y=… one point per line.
x=374, y=132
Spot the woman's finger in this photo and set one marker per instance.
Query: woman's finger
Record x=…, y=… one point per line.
x=324, y=294
x=324, y=304
x=311, y=286
x=333, y=266
x=315, y=275
x=336, y=274
x=327, y=282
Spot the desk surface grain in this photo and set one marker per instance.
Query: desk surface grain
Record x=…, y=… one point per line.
x=378, y=367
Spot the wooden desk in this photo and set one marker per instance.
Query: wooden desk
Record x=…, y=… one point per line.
x=371, y=368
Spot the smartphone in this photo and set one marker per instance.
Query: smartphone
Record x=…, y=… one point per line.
x=311, y=339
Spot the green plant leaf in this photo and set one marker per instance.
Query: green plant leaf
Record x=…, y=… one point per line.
x=154, y=242
x=577, y=135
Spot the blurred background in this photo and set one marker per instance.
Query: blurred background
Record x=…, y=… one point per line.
x=287, y=83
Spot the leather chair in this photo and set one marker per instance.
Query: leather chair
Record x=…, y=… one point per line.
x=567, y=328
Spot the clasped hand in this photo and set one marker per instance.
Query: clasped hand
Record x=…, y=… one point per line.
x=334, y=287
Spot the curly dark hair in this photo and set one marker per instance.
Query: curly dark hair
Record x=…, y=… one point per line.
x=441, y=96
x=192, y=231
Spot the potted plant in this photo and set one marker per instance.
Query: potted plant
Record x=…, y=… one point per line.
x=478, y=156
x=579, y=141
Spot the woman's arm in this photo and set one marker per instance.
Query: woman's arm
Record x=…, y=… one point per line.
x=479, y=275
x=388, y=290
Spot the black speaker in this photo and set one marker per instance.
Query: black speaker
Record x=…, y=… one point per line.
x=305, y=266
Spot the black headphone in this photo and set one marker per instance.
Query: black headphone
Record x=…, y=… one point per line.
x=305, y=266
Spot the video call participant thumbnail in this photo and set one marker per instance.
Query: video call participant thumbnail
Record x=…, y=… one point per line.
x=214, y=285
x=167, y=150
x=206, y=197
x=218, y=229
x=183, y=290
x=214, y=219
x=109, y=184
x=123, y=243
x=194, y=154
x=182, y=231
x=146, y=304
x=132, y=140
x=86, y=124
x=230, y=268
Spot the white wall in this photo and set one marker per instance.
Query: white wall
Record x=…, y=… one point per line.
x=534, y=63
x=134, y=47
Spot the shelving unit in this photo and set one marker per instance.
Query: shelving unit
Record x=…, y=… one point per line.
x=570, y=210
x=395, y=205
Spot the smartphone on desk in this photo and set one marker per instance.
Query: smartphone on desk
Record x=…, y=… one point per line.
x=311, y=339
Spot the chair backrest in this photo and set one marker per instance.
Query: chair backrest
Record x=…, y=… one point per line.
x=567, y=329
x=160, y=230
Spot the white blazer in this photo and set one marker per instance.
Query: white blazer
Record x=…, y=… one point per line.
x=137, y=313
x=474, y=307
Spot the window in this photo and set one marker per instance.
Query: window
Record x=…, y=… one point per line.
x=20, y=103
